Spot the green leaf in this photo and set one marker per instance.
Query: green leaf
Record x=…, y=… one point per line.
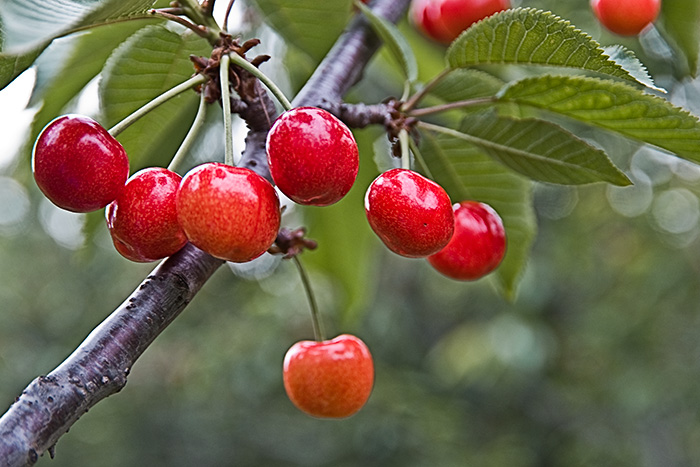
x=468, y=174
x=62, y=71
x=538, y=149
x=394, y=40
x=11, y=65
x=27, y=25
x=311, y=25
x=464, y=84
x=613, y=106
x=629, y=61
x=681, y=22
x=527, y=36
x=150, y=62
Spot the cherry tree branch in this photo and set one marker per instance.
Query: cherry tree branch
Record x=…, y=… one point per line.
x=99, y=367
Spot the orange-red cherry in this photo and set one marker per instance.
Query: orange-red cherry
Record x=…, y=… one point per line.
x=232, y=213
x=626, y=17
x=477, y=245
x=143, y=219
x=331, y=378
x=312, y=155
x=411, y=214
x=78, y=165
x=444, y=20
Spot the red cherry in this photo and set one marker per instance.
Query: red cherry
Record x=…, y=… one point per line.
x=78, y=165
x=312, y=155
x=229, y=212
x=626, y=17
x=477, y=246
x=444, y=20
x=143, y=219
x=329, y=379
x=411, y=214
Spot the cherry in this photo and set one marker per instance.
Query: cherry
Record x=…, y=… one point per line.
x=232, y=213
x=411, y=214
x=477, y=246
x=143, y=219
x=329, y=379
x=444, y=20
x=78, y=165
x=626, y=17
x=312, y=155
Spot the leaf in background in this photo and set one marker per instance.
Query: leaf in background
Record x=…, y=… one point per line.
x=613, y=106
x=147, y=64
x=394, y=41
x=25, y=25
x=345, y=239
x=311, y=25
x=13, y=64
x=67, y=65
x=681, y=21
x=538, y=149
x=531, y=37
x=629, y=61
x=468, y=174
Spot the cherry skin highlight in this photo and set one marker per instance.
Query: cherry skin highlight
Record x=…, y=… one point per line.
x=329, y=379
x=232, y=213
x=78, y=165
x=626, y=17
x=444, y=20
x=411, y=214
x=477, y=246
x=312, y=155
x=142, y=221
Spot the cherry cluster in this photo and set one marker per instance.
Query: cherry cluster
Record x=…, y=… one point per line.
x=234, y=214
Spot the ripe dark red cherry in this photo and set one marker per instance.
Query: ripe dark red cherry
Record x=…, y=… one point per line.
x=411, y=214
x=312, y=155
x=143, y=220
x=626, y=17
x=329, y=379
x=229, y=212
x=477, y=246
x=444, y=20
x=78, y=165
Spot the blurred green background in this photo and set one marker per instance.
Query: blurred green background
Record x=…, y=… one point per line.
x=596, y=362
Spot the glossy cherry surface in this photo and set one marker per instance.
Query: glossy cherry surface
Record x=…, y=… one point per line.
x=78, y=165
x=411, y=214
x=329, y=379
x=477, y=246
x=313, y=156
x=626, y=17
x=143, y=219
x=444, y=20
x=229, y=212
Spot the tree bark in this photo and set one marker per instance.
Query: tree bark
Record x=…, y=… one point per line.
x=99, y=367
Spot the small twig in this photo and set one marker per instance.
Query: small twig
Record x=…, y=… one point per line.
x=416, y=98
x=229, y=7
x=199, y=30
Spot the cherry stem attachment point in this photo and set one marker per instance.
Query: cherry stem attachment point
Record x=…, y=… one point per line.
x=253, y=70
x=405, y=151
x=226, y=104
x=315, y=314
x=191, y=135
x=149, y=106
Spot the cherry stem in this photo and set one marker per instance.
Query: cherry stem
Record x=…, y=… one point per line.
x=416, y=98
x=451, y=106
x=419, y=157
x=191, y=135
x=253, y=70
x=405, y=151
x=315, y=314
x=226, y=104
x=149, y=106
